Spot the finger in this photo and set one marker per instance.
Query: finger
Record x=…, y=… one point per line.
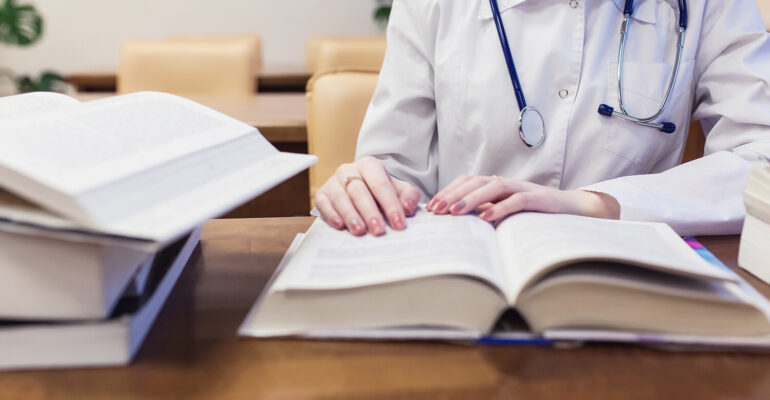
x=523, y=201
x=381, y=187
x=408, y=195
x=493, y=191
x=437, y=198
x=455, y=199
x=484, y=207
x=328, y=213
x=364, y=202
x=345, y=208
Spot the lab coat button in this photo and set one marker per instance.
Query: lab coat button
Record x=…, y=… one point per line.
x=573, y=3
x=563, y=93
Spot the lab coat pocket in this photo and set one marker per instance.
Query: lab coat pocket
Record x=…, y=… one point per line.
x=644, y=90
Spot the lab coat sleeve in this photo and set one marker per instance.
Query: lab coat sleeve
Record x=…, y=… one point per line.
x=400, y=123
x=732, y=101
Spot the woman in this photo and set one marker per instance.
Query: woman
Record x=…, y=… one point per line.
x=443, y=123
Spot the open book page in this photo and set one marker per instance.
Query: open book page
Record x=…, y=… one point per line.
x=19, y=216
x=430, y=246
x=34, y=104
x=105, y=140
x=16, y=209
x=164, y=203
x=533, y=244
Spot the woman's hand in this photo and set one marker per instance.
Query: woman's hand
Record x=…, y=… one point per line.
x=359, y=193
x=499, y=197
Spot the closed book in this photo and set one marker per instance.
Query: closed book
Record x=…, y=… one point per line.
x=754, y=253
x=47, y=278
x=112, y=341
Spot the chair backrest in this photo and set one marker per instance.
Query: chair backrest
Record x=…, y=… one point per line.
x=188, y=67
x=696, y=141
x=332, y=53
x=764, y=8
x=250, y=39
x=336, y=104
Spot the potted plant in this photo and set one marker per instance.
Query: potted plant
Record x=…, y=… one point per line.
x=22, y=25
x=382, y=12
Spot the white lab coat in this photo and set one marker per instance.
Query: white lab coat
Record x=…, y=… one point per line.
x=444, y=105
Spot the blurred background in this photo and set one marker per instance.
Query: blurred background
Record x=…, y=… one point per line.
x=85, y=35
x=300, y=71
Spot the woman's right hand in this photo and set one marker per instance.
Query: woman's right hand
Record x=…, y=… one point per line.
x=358, y=194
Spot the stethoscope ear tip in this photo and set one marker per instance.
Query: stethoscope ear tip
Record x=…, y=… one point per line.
x=606, y=110
x=668, y=127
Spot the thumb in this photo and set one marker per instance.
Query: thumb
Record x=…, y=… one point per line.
x=407, y=194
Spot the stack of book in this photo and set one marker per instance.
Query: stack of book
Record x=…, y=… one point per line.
x=100, y=209
x=754, y=255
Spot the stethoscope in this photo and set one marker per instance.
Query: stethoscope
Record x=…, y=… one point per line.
x=531, y=123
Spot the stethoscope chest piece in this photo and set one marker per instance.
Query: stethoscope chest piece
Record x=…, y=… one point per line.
x=531, y=127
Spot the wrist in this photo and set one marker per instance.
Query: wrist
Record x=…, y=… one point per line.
x=599, y=205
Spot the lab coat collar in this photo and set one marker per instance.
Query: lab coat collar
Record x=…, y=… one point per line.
x=485, y=10
x=645, y=10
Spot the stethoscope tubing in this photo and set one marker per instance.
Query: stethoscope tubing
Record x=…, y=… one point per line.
x=604, y=109
x=508, y=56
x=672, y=81
x=667, y=127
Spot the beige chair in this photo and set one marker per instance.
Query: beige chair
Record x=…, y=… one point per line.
x=188, y=67
x=764, y=9
x=696, y=141
x=252, y=40
x=332, y=53
x=336, y=105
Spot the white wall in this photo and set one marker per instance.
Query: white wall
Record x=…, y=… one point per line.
x=84, y=35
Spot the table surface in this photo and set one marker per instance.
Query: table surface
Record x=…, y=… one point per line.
x=280, y=117
x=271, y=78
x=192, y=351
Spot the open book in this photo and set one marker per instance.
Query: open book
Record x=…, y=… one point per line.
x=148, y=166
x=456, y=277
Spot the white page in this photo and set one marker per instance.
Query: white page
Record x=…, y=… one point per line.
x=431, y=245
x=667, y=340
x=531, y=244
x=105, y=140
x=246, y=328
x=16, y=209
x=34, y=104
x=170, y=218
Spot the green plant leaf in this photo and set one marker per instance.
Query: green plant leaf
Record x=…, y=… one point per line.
x=46, y=83
x=20, y=25
x=382, y=14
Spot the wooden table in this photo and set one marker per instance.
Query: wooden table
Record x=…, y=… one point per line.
x=270, y=79
x=193, y=353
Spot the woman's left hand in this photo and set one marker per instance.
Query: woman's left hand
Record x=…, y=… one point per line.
x=500, y=197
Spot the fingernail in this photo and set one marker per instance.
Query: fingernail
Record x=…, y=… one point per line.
x=376, y=227
x=439, y=206
x=457, y=207
x=356, y=227
x=430, y=205
x=411, y=206
x=396, y=221
x=486, y=215
x=338, y=223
